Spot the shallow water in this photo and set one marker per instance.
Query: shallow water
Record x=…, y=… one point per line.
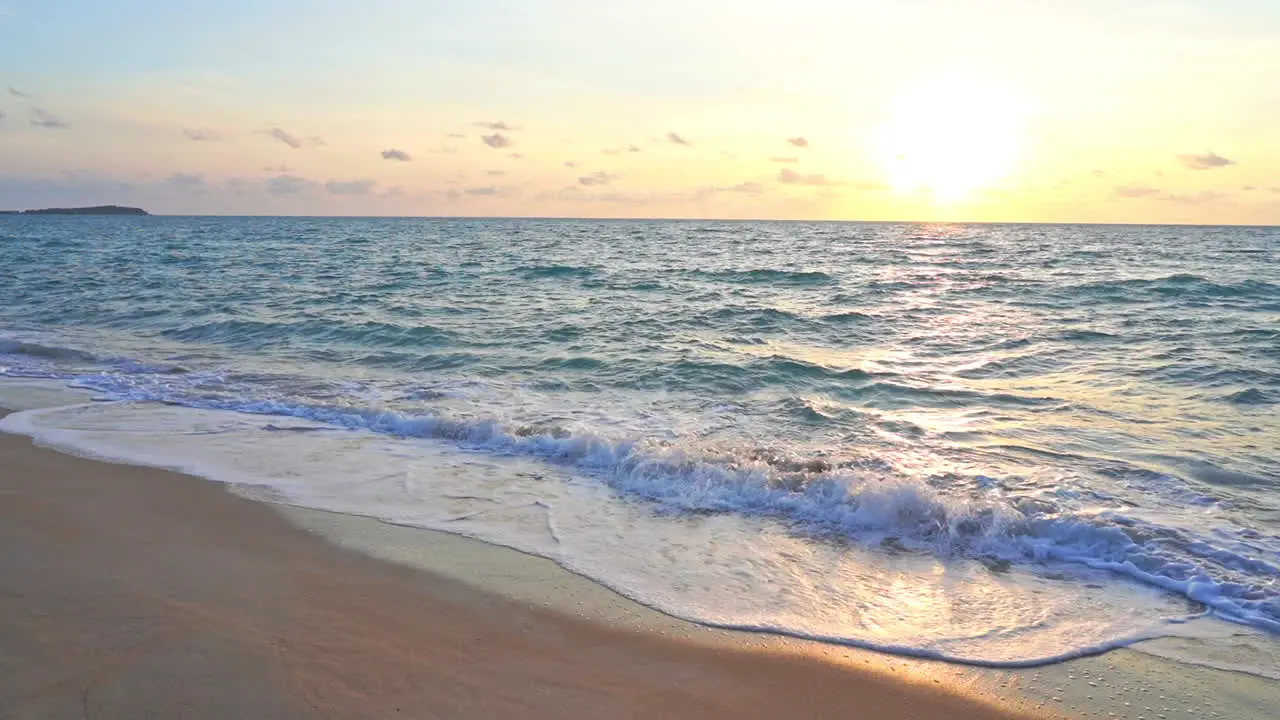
x=998, y=444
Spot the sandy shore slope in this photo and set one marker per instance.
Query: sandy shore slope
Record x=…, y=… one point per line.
x=129, y=592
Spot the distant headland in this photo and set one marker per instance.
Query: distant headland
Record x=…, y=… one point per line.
x=96, y=210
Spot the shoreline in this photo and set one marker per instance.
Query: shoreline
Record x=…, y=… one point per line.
x=1121, y=683
x=126, y=592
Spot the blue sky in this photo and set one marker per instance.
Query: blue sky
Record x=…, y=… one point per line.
x=1143, y=111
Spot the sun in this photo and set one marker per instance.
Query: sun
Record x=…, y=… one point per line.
x=952, y=135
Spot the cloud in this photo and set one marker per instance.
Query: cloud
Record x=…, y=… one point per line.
x=1204, y=196
x=284, y=169
x=290, y=139
x=570, y=164
x=350, y=187
x=621, y=150
x=44, y=119
x=18, y=93
x=1208, y=161
x=1136, y=191
x=457, y=136
x=747, y=188
x=596, y=179
x=516, y=156
x=201, y=134
x=499, y=125
x=486, y=191
x=288, y=185
x=677, y=139
x=1, y=114
x=779, y=159
x=394, y=154
x=497, y=141
x=798, y=142
x=788, y=176
x=185, y=181
x=495, y=173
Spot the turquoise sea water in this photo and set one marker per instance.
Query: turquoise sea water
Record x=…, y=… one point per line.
x=991, y=443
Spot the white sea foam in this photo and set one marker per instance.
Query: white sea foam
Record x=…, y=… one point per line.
x=731, y=570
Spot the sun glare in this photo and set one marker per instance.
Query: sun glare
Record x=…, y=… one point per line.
x=951, y=136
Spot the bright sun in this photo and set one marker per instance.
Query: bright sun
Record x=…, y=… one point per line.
x=951, y=136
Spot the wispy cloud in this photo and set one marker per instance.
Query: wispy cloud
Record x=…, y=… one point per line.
x=457, y=136
x=350, y=187
x=293, y=141
x=289, y=185
x=201, y=134
x=45, y=119
x=18, y=93
x=1136, y=191
x=621, y=150
x=185, y=181
x=394, y=154
x=495, y=173
x=497, y=141
x=570, y=164
x=1200, y=198
x=515, y=156
x=486, y=191
x=596, y=179
x=1207, y=161
x=747, y=188
x=492, y=125
x=780, y=159
x=1, y=114
x=677, y=139
x=788, y=176
x=798, y=142
x=277, y=169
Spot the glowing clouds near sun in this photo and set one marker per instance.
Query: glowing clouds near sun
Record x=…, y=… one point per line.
x=952, y=135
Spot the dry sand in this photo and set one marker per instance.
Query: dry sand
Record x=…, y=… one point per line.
x=130, y=592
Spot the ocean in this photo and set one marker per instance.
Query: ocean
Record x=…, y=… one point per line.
x=993, y=444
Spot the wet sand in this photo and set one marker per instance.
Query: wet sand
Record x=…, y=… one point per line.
x=130, y=592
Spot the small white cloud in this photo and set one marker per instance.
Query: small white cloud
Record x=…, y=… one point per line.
x=350, y=187
x=788, y=176
x=596, y=179
x=1207, y=161
x=49, y=121
x=289, y=185
x=497, y=141
x=201, y=134
x=1136, y=191
x=283, y=136
x=185, y=181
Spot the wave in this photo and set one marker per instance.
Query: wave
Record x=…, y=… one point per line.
x=768, y=276
x=1182, y=285
x=820, y=499
x=46, y=352
x=256, y=333
x=556, y=271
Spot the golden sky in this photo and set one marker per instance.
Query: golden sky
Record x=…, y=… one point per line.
x=986, y=110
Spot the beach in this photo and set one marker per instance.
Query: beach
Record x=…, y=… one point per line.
x=136, y=592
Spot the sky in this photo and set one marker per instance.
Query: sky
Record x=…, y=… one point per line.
x=1143, y=111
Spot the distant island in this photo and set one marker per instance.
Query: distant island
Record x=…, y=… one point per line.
x=96, y=210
